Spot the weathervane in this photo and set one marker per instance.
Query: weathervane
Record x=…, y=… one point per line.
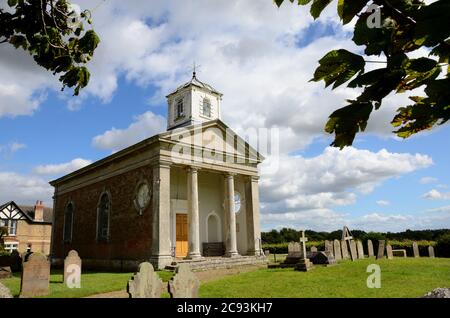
x=194, y=70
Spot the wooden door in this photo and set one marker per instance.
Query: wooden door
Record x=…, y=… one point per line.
x=182, y=235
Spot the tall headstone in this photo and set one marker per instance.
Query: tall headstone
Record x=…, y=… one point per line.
x=353, y=251
x=35, y=276
x=329, y=247
x=360, y=248
x=369, y=248
x=145, y=283
x=389, y=252
x=72, y=270
x=344, y=249
x=313, y=249
x=431, y=251
x=337, y=250
x=184, y=284
x=294, y=255
x=4, y=292
x=380, y=253
x=303, y=264
x=416, y=249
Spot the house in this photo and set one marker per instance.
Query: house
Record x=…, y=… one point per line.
x=29, y=227
x=186, y=193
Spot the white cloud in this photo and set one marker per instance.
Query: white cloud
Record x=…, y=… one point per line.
x=383, y=202
x=144, y=126
x=428, y=180
x=8, y=150
x=63, y=168
x=436, y=195
x=24, y=189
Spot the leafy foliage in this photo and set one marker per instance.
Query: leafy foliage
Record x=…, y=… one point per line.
x=3, y=232
x=54, y=34
x=405, y=27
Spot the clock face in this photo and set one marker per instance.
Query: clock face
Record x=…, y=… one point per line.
x=143, y=196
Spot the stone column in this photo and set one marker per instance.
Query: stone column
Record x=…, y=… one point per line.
x=161, y=252
x=193, y=214
x=231, y=243
x=252, y=216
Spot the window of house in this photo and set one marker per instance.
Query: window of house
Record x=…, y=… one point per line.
x=179, y=108
x=68, y=222
x=206, y=107
x=10, y=247
x=104, y=209
x=237, y=202
x=11, y=225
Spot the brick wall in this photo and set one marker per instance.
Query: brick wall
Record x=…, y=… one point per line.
x=38, y=235
x=130, y=233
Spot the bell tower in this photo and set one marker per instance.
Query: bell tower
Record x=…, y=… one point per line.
x=193, y=103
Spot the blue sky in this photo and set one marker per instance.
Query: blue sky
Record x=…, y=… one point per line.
x=261, y=58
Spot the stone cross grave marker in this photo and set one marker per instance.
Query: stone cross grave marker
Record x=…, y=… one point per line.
x=381, y=244
x=145, y=283
x=360, y=248
x=337, y=250
x=431, y=251
x=416, y=249
x=35, y=276
x=72, y=270
x=344, y=249
x=353, y=250
x=184, y=284
x=389, y=253
x=369, y=248
x=304, y=264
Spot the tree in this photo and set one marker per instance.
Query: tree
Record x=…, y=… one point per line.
x=54, y=34
x=393, y=29
x=3, y=232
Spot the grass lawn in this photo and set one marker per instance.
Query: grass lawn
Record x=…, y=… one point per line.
x=400, y=277
x=91, y=283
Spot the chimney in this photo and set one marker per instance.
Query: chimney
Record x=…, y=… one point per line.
x=39, y=211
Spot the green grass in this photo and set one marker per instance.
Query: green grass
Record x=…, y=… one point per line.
x=401, y=277
x=91, y=283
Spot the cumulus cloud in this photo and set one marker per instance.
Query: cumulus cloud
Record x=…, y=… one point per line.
x=63, y=168
x=8, y=150
x=24, y=189
x=144, y=126
x=436, y=195
x=383, y=202
x=428, y=180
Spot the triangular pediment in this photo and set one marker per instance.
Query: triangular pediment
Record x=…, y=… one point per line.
x=11, y=211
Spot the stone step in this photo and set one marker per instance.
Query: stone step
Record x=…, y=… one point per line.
x=213, y=263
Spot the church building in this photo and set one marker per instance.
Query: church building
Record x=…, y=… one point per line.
x=189, y=193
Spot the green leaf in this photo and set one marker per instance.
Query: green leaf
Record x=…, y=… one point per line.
x=347, y=9
x=278, y=2
x=368, y=78
x=318, y=6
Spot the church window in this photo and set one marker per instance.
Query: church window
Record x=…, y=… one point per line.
x=179, y=108
x=104, y=209
x=237, y=202
x=206, y=107
x=68, y=222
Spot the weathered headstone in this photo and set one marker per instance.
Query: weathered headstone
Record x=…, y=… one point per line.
x=35, y=276
x=380, y=253
x=72, y=270
x=389, y=252
x=344, y=249
x=294, y=255
x=303, y=264
x=5, y=272
x=313, y=249
x=4, y=292
x=184, y=284
x=399, y=253
x=323, y=258
x=329, y=246
x=337, y=250
x=145, y=283
x=431, y=251
x=416, y=249
x=267, y=253
x=353, y=251
x=369, y=248
x=360, y=249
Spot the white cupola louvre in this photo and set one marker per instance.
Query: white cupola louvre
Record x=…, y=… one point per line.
x=193, y=103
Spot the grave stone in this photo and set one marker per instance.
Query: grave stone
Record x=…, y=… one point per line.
x=35, y=276
x=337, y=250
x=4, y=292
x=303, y=264
x=380, y=253
x=360, y=249
x=389, y=252
x=328, y=246
x=145, y=283
x=294, y=255
x=400, y=253
x=416, y=249
x=313, y=249
x=184, y=284
x=353, y=251
x=370, y=248
x=72, y=270
x=431, y=251
x=323, y=258
x=344, y=249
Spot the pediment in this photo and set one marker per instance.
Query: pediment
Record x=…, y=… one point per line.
x=11, y=211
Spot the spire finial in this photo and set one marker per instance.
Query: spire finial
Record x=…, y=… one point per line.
x=194, y=70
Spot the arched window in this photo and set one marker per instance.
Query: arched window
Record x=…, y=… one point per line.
x=68, y=222
x=206, y=107
x=104, y=209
